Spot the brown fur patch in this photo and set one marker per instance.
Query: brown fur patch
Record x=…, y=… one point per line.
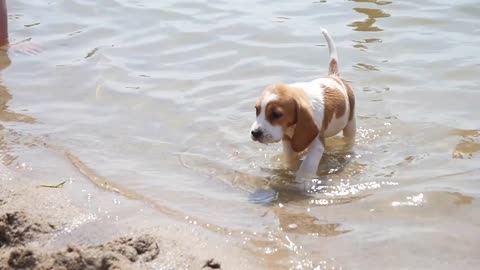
x=286, y=108
x=351, y=100
x=306, y=130
x=334, y=104
x=351, y=96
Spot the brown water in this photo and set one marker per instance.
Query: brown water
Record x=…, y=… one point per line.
x=156, y=98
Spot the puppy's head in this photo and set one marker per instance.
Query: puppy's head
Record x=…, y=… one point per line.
x=280, y=107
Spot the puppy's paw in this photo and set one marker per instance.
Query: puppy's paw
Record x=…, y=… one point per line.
x=291, y=163
x=305, y=177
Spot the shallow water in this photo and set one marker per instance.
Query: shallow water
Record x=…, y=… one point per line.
x=156, y=98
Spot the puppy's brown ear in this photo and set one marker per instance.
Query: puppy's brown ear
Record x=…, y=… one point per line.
x=305, y=130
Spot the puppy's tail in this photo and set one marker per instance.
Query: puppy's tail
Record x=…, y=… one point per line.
x=333, y=62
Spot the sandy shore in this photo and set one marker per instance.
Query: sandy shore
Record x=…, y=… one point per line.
x=34, y=218
x=28, y=224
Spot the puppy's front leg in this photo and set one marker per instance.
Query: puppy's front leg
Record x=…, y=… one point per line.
x=291, y=158
x=312, y=159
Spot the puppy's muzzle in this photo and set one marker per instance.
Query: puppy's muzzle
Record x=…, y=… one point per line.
x=256, y=134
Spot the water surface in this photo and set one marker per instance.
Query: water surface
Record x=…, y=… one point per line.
x=156, y=98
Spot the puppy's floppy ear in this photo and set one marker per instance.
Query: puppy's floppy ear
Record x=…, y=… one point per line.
x=305, y=129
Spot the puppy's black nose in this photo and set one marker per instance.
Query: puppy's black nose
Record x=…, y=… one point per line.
x=256, y=133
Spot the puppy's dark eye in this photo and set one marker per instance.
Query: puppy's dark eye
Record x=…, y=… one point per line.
x=276, y=115
x=257, y=110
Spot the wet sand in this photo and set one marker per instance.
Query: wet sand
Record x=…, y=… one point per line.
x=33, y=218
x=28, y=223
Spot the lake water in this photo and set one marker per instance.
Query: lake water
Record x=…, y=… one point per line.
x=156, y=99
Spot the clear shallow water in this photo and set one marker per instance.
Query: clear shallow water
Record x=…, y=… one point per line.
x=157, y=98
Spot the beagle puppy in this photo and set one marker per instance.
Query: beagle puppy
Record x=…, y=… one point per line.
x=303, y=114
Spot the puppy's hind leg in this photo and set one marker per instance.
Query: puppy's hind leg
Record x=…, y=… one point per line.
x=350, y=131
